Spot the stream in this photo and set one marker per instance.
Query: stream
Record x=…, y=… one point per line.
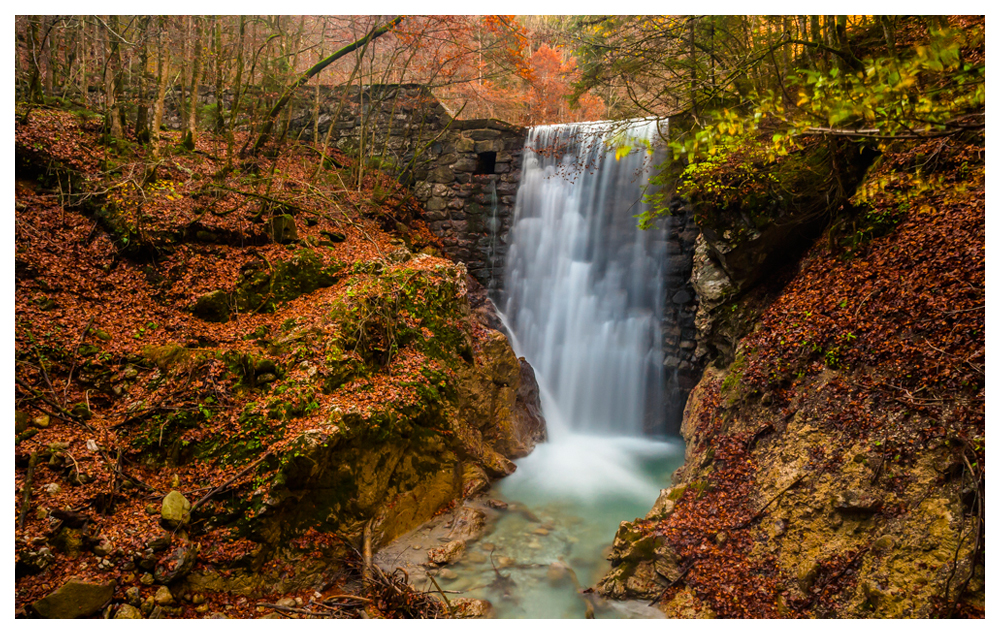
x=565, y=502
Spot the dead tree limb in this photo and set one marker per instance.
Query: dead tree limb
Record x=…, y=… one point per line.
x=215, y=490
x=272, y=116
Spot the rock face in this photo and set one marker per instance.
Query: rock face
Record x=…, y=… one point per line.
x=782, y=501
x=529, y=421
x=813, y=484
x=473, y=410
x=74, y=599
x=642, y=565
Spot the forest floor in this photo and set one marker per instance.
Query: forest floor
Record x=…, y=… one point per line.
x=110, y=261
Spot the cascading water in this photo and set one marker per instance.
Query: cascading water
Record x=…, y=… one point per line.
x=583, y=304
x=584, y=283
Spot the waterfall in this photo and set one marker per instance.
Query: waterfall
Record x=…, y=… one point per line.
x=583, y=285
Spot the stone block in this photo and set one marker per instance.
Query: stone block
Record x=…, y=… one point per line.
x=441, y=175
x=489, y=145
x=482, y=135
x=282, y=229
x=435, y=204
x=465, y=164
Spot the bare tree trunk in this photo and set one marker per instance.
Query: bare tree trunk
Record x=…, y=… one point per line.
x=192, y=120
x=49, y=52
x=142, y=132
x=186, y=64
x=35, y=85
x=309, y=74
x=220, y=121
x=237, y=94
x=84, y=81
x=111, y=80
x=163, y=78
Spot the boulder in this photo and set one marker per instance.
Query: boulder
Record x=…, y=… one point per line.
x=469, y=524
x=212, y=306
x=177, y=564
x=465, y=608
x=641, y=565
x=447, y=554
x=282, y=229
x=176, y=510
x=74, y=599
x=163, y=596
x=128, y=612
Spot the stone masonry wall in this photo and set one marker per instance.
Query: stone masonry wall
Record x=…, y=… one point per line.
x=681, y=364
x=464, y=172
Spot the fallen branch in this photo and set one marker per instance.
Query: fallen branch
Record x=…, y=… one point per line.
x=275, y=606
x=208, y=495
x=756, y=515
x=672, y=584
x=75, y=352
x=366, y=574
x=275, y=201
x=451, y=610
x=26, y=501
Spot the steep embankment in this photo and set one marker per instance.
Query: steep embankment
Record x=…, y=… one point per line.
x=224, y=378
x=835, y=460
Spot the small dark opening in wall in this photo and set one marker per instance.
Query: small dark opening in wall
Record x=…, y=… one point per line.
x=486, y=163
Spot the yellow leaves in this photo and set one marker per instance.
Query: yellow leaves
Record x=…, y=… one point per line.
x=803, y=99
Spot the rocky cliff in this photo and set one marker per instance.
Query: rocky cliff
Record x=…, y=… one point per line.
x=835, y=462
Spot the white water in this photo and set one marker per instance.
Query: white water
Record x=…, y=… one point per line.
x=584, y=304
x=584, y=286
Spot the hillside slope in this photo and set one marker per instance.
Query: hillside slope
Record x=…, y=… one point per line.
x=228, y=379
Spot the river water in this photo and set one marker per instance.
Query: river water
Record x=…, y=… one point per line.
x=583, y=303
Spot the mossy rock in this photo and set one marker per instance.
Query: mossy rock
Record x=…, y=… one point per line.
x=262, y=287
x=76, y=598
x=282, y=229
x=212, y=306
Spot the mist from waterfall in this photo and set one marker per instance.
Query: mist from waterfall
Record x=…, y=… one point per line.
x=584, y=286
